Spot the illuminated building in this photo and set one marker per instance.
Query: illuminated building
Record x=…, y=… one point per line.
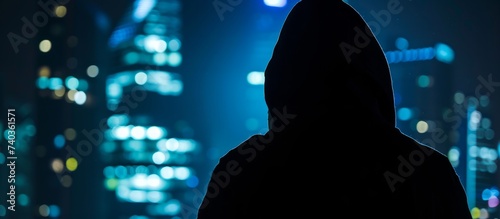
x=457, y=124
x=149, y=150
x=482, y=152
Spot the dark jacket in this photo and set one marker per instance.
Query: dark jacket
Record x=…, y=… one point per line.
x=332, y=149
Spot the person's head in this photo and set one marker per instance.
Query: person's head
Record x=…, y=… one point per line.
x=309, y=70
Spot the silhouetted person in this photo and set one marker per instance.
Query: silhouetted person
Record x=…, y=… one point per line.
x=332, y=149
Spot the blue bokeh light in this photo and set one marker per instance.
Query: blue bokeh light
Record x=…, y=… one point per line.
x=59, y=141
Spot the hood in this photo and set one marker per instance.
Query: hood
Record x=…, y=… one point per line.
x=327, y=61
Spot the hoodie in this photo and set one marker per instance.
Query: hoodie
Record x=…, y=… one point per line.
x=333, y=149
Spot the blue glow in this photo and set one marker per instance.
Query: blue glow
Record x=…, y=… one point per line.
x=174, y=45
x=172, y=207
x=155, y=196
x=275, y=3
x=24, y=200
x=55, y=83
x=102, y=20
x=484, y=101
x=402, y=43
x=83, y=85
x=160, y=46
x=121, y=172
x=3, y=210
x=444, y=53
x=182, y=173
x=175, y=59
x=405, y=114
x=159, y=157
x=109, y=146
x=153, y=43
x=114, y=90
x=160, y=28
x=424, y=81
x=155, y=133
x=59, y=141
x=80, y=97
x=172, y=144
x=160, y=77
x=138, y=133
x=155, y=182
x=117, y=120
x=498, y=148
x=109, y=172
x=255, y=78
x=139, y=41
x=131, y=58
x=125, y=78
x=176, y=87
x=167, y=172
x=138, y=217
x=142, y=9
x=173, y=87
x=121, y=132
x=139, y=181
x=494, y=191
x=122, y=34
x=161, y=144
x=397, y=98
x=265, y=22
x=42, y=82
x=486, y=194
x=30, y=130
x=141, y=78
x=160, y=58
x=470, y=184
x=141, y=169
x=252, y=124
x=122, y=192
x=411, y=55
x=6, y=134
x=161, y=82
x=192, y=182
x=72, y=83
x=187, y=145
x=138, y=196
x=454, y=154
x=136, y=146
x=113, y=121
x=54, y=211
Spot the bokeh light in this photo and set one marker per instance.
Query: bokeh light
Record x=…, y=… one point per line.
x=44, y=210
x=66, y=181
x=45, y=46
x=59, y=141
x=92, y=71
x=57, y=165
x=71, y=164
x=60, y=11
x=70, y=134
x=422, y=127
x=44, y=71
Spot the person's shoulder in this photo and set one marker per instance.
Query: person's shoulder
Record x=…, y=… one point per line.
x=240, y=152
x=417, y=148
x=430, y=156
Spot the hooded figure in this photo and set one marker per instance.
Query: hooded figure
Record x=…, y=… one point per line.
x=332, y=149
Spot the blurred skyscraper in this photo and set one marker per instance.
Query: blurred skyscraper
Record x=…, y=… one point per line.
x=149, y=151
x=457, y=124
x=482, y=151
